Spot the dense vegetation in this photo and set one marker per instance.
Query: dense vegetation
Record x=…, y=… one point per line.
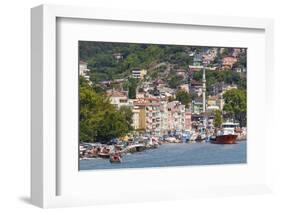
x=161, y=61
x=227, y=77
x=104, y=66
x=236, y=105
x=99, y=120
x=183, y=97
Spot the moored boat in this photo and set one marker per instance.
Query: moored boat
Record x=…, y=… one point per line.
x=115, y=158
x=225, y=139
x=227, y=134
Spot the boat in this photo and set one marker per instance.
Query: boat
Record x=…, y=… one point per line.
x=202, y=135
x=227, y=134
x=104, y=152
x=115, y=158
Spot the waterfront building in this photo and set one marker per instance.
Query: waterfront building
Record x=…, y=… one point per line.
x=187, y=120
x=164, y=117
x=136, y=118
x=176, y=116
x=152, y=113
x=139, y=106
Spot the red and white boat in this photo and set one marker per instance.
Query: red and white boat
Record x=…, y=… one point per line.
x=227, y=134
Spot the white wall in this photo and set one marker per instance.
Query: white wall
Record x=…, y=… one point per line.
x=15, y=98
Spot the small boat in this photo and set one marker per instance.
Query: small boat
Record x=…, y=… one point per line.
x=104, y=152
x=103, y=155
x=227, y=134
x=115, y=158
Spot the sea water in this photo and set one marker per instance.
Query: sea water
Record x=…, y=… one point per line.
x=176, y=155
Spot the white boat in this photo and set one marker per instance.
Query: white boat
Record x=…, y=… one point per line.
x=227, y=133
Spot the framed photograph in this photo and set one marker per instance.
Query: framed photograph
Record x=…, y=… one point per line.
x=150, y=106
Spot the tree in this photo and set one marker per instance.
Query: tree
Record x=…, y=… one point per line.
x=183, y=97
x=132, y=87
x=218, y=119
x=236, y=105
x=99, y=120
x=174, y=81
x=127, y=114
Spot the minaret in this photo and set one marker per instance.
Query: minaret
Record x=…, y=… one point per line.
x=204, y=90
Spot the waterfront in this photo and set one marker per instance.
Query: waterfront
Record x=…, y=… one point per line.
x=176, y=155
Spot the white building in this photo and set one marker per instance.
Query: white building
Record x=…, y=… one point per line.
x=118, y=99
x=83, y=70
x=136, y=118
x=139, y=73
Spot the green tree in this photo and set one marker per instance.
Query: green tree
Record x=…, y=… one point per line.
x=132, y=87
x=127, y=114
x=218, y=119
x=98, y=119
x=183, y=97
x=175, y=81
x=236, y=105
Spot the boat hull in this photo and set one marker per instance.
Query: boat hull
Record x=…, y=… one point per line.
x=225, y=139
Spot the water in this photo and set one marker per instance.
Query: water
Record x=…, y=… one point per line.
x=176, y=155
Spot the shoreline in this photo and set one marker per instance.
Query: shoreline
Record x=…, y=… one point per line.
x=133, y=151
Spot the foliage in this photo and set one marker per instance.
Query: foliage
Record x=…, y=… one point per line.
x=183, y=97
x=131, y=86
x=101, y=61
x=236, y=105
x=227, y=77
x=175, y=81
x=100, y=120
x=218, y=119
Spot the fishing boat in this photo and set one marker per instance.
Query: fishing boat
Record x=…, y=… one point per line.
x=115, y=158
x=227, y=134
x=104, y=153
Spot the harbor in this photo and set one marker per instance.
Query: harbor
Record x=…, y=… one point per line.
x=172, y=154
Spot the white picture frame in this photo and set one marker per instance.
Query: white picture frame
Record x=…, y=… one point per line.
x=44, y=149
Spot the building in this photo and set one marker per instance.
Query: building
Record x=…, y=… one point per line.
x=196, y=87
x=136, y=118
x=118, y=98
x=176, y=116
x=180, y=72
x=118, y=56
x=152, y=116
x=83, y=70
x=236, y=52
x=187, y=121
x=197, y=106
x=228, y=62
x=198, y=59
x=163, y=118
x=184, y=87
x=139, y=73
